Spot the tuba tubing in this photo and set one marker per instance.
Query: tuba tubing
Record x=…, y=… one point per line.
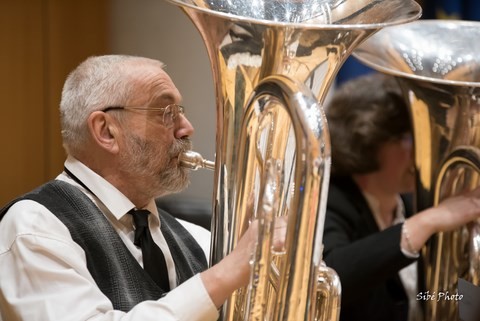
x=273, y=63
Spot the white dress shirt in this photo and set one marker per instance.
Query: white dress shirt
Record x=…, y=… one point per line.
x=44, y=275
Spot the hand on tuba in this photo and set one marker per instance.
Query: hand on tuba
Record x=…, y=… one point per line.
x=457, y=210
x=233, y=271
x=448, y=215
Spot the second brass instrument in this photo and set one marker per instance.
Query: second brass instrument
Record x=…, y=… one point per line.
x=437, y=64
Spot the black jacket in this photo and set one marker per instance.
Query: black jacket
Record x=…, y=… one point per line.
x=366, y=260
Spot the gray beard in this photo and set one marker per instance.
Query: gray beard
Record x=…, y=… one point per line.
x=140, y=160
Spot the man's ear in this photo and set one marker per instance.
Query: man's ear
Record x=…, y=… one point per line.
x=104, y=130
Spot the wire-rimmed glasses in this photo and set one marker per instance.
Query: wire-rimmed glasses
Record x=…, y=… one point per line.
x=170, y=112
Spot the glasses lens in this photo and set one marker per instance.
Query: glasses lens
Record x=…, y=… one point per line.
x=171, y=113
x=168, y=116
x=180, y=110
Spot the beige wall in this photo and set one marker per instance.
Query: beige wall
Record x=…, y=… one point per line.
x=157, y=29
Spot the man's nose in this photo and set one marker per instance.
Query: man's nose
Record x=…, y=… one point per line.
x=183, y=127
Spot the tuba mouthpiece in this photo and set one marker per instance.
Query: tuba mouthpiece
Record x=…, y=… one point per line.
x=194, y=161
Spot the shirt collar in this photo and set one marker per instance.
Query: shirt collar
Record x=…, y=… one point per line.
x=375, y=208
x=116, y=202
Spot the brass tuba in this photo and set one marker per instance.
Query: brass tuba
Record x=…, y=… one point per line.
x=437, y=64
x=273, y=62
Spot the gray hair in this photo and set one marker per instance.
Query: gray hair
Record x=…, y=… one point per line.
x=97, y=83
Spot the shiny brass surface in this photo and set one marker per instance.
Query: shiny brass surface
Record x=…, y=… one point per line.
x=194, y=161
x=437, y=64
x=273, y=63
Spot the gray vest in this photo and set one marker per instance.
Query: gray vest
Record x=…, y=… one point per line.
x=113, y=267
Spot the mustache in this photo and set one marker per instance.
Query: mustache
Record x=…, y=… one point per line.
x=180, y=146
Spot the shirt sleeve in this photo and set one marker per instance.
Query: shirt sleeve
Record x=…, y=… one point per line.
x=45, y=277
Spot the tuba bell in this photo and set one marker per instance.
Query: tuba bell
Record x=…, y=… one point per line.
x=438, y=67
x=273, y=63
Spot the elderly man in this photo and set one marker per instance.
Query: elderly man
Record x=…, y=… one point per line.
x=88, y=245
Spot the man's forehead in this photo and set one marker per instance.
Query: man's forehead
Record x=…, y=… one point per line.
x=160, y=86
x=163, y=89
x=165, y=98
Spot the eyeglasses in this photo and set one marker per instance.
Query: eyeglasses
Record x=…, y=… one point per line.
x=170, y=113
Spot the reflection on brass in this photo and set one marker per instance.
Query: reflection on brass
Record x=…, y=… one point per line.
x=273, y=63
x=437, y=64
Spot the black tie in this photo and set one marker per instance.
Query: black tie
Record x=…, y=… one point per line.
x=153, y=259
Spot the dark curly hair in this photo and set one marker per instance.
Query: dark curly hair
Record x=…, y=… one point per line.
x=363, y=114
